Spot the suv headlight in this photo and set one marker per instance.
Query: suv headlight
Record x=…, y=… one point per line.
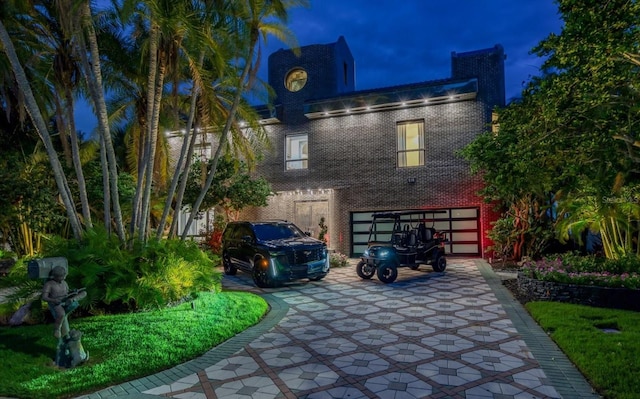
x=262, y=264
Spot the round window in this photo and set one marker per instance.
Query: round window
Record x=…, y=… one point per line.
x=296, y=79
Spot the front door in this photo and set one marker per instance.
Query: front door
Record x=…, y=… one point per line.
x=308, y=215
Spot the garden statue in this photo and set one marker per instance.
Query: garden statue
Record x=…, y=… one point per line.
x=61, y=302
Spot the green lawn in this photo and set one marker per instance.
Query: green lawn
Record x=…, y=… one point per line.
x=609, y=360
x=122, y=347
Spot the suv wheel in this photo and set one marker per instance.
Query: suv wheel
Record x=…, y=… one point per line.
x=261, y=274
x=365, y=270
x=387, y=273
x=440, y=264
x=229, y=269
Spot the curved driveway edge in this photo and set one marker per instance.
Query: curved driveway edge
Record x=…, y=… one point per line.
x=563, y=375
x=458, y=334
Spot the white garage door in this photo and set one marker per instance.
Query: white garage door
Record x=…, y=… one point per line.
x=462, y=226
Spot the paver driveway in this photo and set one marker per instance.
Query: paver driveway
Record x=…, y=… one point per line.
x=427, y=335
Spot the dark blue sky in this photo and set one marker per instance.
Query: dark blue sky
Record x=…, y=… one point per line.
x=405, y=41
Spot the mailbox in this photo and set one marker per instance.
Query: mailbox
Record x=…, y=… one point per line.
x=41, y=268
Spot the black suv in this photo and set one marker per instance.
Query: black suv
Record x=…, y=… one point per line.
x=273, y=252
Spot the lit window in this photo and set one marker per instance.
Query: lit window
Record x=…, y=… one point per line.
x=410, y=144
x=297, y=152
x=296, y=79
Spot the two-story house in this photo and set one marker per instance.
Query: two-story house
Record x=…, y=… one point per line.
x=342, y=154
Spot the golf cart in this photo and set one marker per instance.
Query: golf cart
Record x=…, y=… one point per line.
x=402, y=239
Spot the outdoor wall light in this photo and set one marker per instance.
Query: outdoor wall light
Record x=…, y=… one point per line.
x=411, y=180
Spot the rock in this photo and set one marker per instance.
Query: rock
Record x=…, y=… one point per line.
x=21, y=315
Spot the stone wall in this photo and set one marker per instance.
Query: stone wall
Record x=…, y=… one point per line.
x=617, y=298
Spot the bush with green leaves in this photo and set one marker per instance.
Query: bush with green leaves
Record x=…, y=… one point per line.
x=149, y=275
x=336, y=259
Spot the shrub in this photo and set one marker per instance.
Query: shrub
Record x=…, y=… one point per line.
x=151, y=274
x=586, y=270
x=336, y=259
x=213, y=238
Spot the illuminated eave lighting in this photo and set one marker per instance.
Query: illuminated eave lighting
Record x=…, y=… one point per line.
x=421, y=102
x=269, y=121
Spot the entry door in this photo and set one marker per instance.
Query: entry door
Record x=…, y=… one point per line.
x=308, y=215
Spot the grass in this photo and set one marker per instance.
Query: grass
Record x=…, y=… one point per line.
x=610, y=361
x=122, y=347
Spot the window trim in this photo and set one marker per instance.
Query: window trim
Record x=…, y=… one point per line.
x=304, y=153
x=421, y=151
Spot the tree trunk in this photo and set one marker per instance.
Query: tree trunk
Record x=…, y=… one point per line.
x=77, y=163
x=137, y=211
x=182, y=165
x=93, y=76
x=154, y=124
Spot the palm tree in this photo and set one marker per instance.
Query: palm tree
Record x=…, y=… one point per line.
x=168, y=25
x=56, y=30
x=35, y=114
x=256, y=19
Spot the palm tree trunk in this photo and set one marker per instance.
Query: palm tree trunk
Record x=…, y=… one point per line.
x=154, y=124
x=106, y=195
x=77, y=163
x=173, y=231
x=93, y=76
x=137, y=214
x=182, y=167
x=41, y=128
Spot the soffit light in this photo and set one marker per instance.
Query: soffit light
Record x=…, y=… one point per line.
x=381, y=100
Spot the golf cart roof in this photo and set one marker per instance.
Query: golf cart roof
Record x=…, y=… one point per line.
x=398, y=214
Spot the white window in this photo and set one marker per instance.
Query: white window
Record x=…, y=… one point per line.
x=410, y=144
x=297, y=152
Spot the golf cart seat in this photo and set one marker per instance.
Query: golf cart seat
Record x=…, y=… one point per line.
x=425, y=233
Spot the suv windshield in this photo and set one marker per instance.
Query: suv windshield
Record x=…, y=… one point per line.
x=267, y=232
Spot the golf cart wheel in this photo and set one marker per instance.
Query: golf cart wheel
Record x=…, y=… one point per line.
x=387, y=273
x=229, y=268
x=439, y=264
x=365, y=270
x=414, y=267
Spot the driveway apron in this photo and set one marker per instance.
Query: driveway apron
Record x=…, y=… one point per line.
x=456, y=334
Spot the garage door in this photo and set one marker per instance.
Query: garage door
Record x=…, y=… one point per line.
x=462, y=226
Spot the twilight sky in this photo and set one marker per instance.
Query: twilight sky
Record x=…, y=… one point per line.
x=405, y=41
x=397, y=42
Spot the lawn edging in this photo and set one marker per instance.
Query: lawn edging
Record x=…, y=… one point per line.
x=606, y=297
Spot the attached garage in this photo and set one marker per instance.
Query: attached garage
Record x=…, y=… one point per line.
x=462, y=226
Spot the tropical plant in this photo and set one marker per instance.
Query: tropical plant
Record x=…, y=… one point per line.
x=213, y=238
x=232, y=188
x=150, y=274
x=563, y=135
x=256, y=19
x=10, y=12
x=613, y=217
x=322, y=235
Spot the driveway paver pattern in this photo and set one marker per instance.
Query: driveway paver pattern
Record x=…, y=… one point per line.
x=427, y=335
